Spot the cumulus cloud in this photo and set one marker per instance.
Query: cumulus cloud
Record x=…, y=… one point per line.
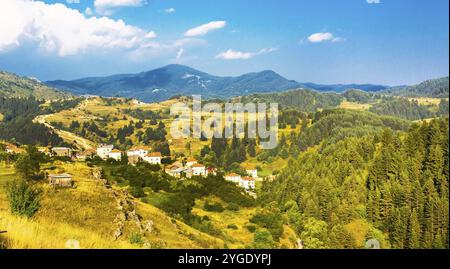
x=205, y=28
x=106, y=7
x=153, y=49
x=239, y=55
x=322, y=37
x=179, y=53
x=57, y=28
x=170, y=10
x=373, y=1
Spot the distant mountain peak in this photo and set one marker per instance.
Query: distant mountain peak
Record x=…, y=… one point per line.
x=177, y=79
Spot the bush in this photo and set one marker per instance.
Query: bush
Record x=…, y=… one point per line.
x=232, y=226
x=233, y=207
x=23, y=198
x=136, y=239
x=137, y=192
x=251, y=228
x=213, y=207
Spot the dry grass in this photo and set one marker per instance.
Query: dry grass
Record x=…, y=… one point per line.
x=86, y=213
x=354, y=106
x=241, y=237
x=427, y=101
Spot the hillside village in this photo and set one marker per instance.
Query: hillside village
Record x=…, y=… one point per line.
x=181, y=168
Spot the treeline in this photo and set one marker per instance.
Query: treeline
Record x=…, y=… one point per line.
x=330, y=126
x=406, y=109
x=390, y=186
x=122, y=138
x=17, y=124
x=436, y=88
x=303, y=100
x=150, y=115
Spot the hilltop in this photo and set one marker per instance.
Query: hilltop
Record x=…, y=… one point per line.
x=165, y=82
x=12, y=85
x=437, y=88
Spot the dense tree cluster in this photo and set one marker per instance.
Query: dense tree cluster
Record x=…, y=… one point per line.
x=406, y=109
x=18, y=124
x=394, y=184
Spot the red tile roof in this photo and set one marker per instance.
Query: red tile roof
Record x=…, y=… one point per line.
x=154, y=154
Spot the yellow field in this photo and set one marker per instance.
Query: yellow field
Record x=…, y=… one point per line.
x=86, y=214
x=427, y=101
x=354, y=106
x=1, y=116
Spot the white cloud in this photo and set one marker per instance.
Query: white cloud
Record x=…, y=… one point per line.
x=239, y=55
x=170, y=10
x=205, y=28
x=152, y=49
x=179, y=53
x=57, y=28
x=373, y=1
x=73, y=1
x=322, y=37
x=150, y=35
x=106, y=7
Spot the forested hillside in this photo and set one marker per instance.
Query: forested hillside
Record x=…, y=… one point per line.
x=409, y=109
x=302, y=99
x=331, y=126
x=437, y=88
x=18, y=114
x=392, y=186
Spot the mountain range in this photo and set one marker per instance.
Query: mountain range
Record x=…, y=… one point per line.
x=165, y=82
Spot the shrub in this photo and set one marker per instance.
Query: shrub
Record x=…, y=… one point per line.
x=137, y=192
x=233, y=207
x=213, y=207
x=136, y=239
x=232, y=226
x=251, y=228
x=263, y=239
x=23, y=198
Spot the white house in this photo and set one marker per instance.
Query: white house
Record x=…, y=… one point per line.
x=115, y=154
x=174, y=170
x=247, y=183
x=233, y=178
x=198, y=169
x=104, y=150
x=153, y=158
x=252, y=172
x=138, y=151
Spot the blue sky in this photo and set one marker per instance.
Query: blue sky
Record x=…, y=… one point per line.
x=390, y=42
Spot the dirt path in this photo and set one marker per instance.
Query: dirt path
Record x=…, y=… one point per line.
x=81, y=142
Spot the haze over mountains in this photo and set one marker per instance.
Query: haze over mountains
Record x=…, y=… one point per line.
x=163, y=83
x=172, y=80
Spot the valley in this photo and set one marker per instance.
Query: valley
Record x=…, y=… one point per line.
x=322, y=186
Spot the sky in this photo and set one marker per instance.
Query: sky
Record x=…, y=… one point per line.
x=390, y=42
